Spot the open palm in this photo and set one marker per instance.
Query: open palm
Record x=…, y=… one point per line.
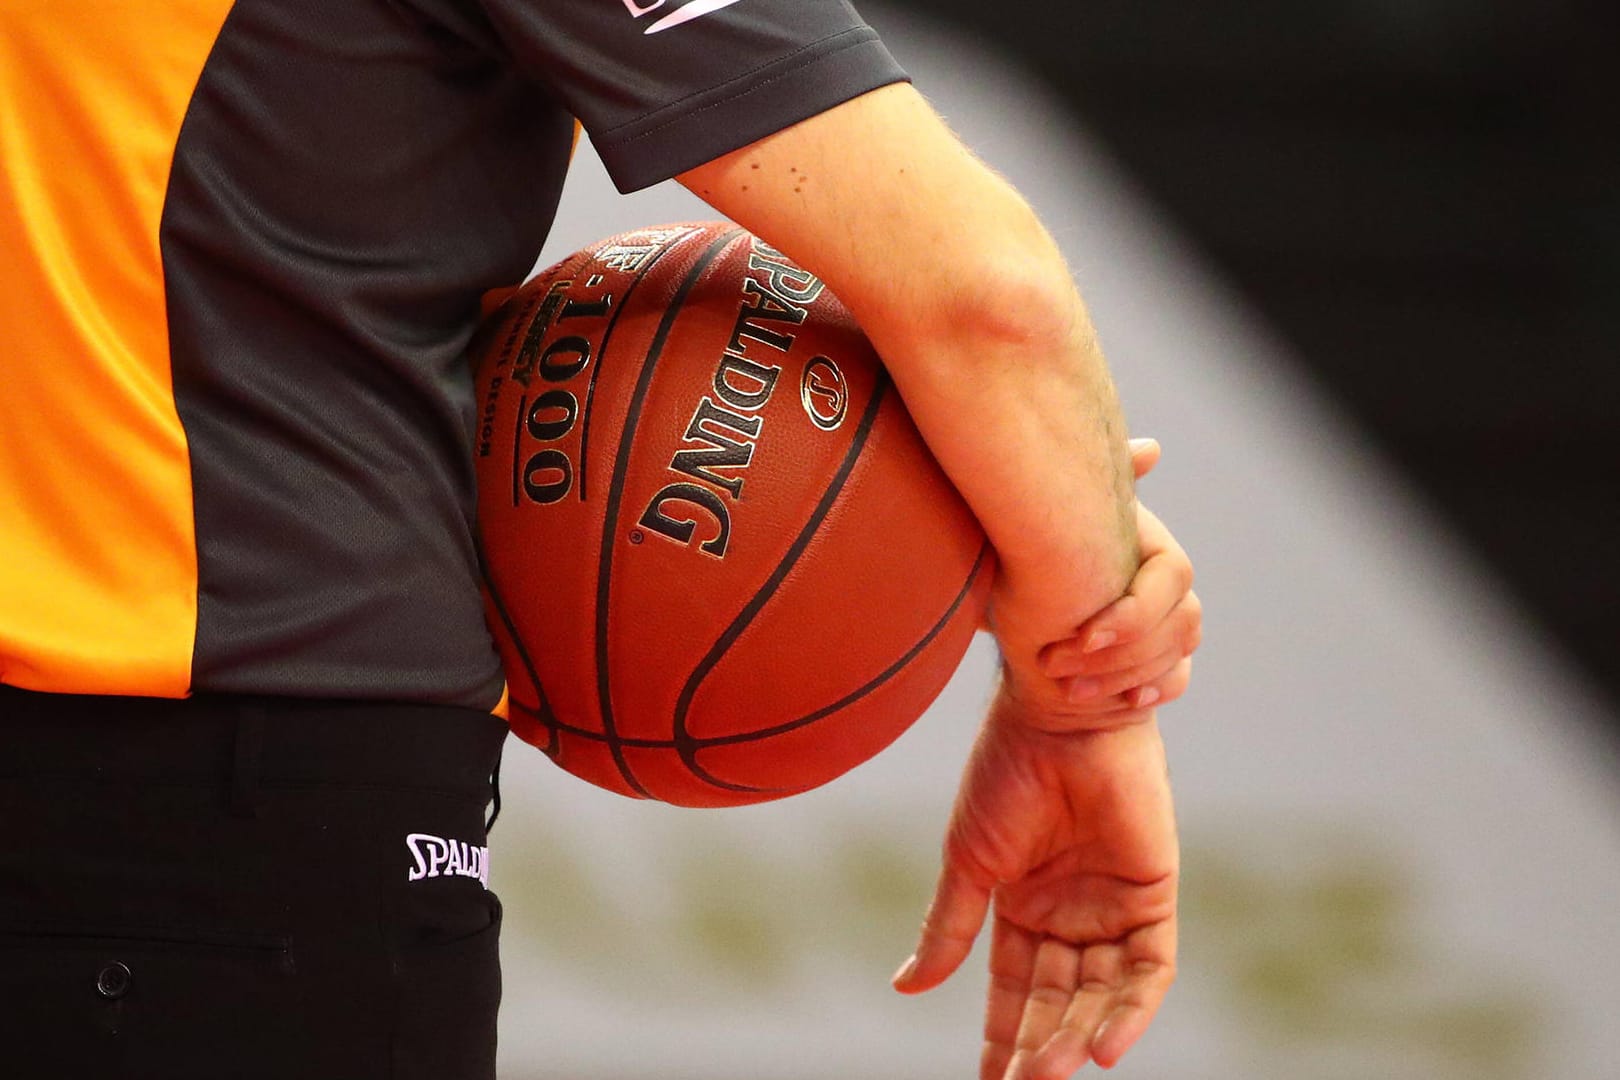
x=1072, y=836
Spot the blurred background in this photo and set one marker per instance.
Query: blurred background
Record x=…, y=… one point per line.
x=1355, y=264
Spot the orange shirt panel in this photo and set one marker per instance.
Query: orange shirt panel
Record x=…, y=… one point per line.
x=98, y=566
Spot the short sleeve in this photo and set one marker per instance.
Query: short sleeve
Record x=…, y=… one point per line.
x=666, y=85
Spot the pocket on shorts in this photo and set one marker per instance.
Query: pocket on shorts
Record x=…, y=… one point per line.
x=449, y=994
x=77, y=998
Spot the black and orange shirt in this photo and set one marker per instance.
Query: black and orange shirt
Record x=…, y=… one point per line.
x=242, y=245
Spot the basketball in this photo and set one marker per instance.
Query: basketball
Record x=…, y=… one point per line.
x=721, y=565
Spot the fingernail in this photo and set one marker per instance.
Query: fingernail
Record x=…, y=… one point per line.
x=1100, y=640
x=1146, y=696
x=906, y=969
x=1081, y=689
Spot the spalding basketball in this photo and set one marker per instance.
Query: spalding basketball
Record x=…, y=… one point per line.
x=722, y=566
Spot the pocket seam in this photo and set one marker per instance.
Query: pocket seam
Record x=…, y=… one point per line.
x=20, y=935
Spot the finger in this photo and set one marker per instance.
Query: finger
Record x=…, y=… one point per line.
x=1164, y=690
x=1051, y=988
x=1159, y=608
x=1101, y=973
x=1069, y=1048
x=1149, y=971
x=1126, y=1024
x=1193, y=634
x=1121, y=987
x=1089, y=688
x=1180, y=632
x=1145, y=454
x=1159, y=585
x=994, y=1059
x=1164, y=563
x=1161, y=691
x=1012, y=965
x=953, y=921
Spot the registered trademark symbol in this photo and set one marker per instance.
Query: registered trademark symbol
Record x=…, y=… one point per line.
x=637, y=536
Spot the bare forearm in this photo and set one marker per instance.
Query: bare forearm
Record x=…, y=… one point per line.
x=1029, y=428
x=975, y=314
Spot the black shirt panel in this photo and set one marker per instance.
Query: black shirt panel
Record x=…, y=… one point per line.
x=344, y=189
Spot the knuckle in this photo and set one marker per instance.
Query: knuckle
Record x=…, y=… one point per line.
x=1158, y=974
x=1050, y=996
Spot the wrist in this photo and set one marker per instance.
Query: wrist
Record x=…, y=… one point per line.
x=1034, y=702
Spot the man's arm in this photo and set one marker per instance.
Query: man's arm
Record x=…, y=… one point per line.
x=974, y=312
x=1063, y=820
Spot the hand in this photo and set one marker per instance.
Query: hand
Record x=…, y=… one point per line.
x=1073, y=836
x=1137, y=651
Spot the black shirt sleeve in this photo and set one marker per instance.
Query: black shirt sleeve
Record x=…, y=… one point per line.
x=666, y=85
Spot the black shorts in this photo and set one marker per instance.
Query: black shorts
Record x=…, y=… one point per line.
x=245, y=888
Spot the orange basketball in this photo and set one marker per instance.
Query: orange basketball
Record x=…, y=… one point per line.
x=722, y=566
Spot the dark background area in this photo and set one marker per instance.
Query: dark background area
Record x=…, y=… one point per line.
x=1423, y=198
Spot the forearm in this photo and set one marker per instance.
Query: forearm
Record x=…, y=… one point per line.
x=975, y=314
x=1029, y=428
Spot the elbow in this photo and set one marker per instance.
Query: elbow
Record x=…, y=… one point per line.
x=1006, y=296
x=1018, y=298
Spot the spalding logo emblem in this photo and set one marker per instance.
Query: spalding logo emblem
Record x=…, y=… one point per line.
x=824, y=393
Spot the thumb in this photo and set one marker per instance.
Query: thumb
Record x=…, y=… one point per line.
x=948, y=931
